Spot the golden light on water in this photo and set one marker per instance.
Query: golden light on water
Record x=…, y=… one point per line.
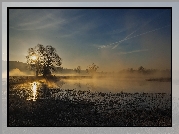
x=34, y=91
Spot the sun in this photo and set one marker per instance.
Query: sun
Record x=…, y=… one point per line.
x=34, y=57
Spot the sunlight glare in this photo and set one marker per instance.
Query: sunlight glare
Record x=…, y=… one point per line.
x=34, y=57
x=34, y=90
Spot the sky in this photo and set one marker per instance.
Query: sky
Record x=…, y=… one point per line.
x=113, y=39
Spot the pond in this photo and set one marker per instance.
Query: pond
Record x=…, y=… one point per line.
x=31, y=91
x=115, y=85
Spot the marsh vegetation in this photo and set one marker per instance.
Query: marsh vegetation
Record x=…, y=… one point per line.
x=88, y=101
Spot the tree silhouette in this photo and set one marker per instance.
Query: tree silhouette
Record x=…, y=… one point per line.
x=43, y=59
x=141, y=69
x=92, y=69
x=78, y=69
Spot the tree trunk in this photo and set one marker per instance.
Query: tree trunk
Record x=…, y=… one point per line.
x=36, y=73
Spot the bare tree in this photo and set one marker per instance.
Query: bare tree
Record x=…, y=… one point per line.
x=78, y=69
x=92, y=69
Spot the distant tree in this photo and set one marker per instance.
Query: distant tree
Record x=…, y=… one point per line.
x=92, y=69
x=78, y=69
x=141, y=69
x=131, y=70
x=43, y=60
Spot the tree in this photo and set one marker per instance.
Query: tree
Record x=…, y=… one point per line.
x=92, y=69
x=141, y=69
x=43, y=60
x=78, y=69
x=130, y=70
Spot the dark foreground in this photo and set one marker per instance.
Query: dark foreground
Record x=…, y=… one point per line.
x=60, y=107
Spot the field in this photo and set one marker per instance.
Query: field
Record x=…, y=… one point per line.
x=53, y=106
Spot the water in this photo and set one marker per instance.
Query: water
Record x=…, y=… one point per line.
x=117, y=85
x=37, y=89
x=68, y=101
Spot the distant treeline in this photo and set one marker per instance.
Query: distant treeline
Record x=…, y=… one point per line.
x=145, y=71
x=16, y=64
x=140, y=70
x=60, y=70
x=24, y=68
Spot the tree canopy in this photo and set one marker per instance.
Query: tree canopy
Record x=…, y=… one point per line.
x=43, y=60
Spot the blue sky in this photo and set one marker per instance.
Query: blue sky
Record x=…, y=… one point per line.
x=114, y=39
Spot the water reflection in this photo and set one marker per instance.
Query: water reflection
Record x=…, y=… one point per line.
x=33, y=93
x=39, y=90
x=117, y=85
x=34, y=90
x=45, y=89
x=78, y=84
x=91, y=86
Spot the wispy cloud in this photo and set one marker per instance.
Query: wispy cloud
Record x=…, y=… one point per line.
x=104, y=46
x=130, y=34
x=137, y=27
x=39, y=26
x=116, y=44
x=122, y=30
x=32, y=21
x=134, y=51
x=148, y=32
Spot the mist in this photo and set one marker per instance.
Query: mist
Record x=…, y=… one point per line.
x=18, y=72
